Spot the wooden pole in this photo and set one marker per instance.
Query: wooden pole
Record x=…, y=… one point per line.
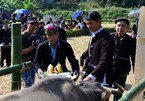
x=16, y=57
x=140, y=52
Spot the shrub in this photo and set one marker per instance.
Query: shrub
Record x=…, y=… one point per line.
x=112, y=12
x=77, y=32
x=107, y=13
x=84, y=32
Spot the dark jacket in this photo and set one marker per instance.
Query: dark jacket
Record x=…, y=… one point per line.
x=62, y=34
x=101, y=52
x=26, y=42
x=124, y=51
x=5, y=36
x=43, y=56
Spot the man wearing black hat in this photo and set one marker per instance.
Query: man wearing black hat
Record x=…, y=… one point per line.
x=28, y=50
x=54, y=51
x=99, y=53
x=124, y=51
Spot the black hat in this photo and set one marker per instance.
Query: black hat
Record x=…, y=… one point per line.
x=93, y=16
x=32, y=20
x=122, y=19
x=41, y=22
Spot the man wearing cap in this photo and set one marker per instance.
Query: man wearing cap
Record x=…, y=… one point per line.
x=124, y=51
x=99, y=53
x=5, y=41
x=54, y=51
x=28, y=50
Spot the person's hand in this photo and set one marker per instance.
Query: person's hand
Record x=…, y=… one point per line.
x=6, y=45
x=39, y=73
x=75, y=75
x=87, y=79
x=35, y=43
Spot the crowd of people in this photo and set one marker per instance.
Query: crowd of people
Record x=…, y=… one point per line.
x=108, y=58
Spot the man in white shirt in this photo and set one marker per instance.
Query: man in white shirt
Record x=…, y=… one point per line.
x=99, y=52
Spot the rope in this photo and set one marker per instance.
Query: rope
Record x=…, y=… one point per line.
x=24, y=66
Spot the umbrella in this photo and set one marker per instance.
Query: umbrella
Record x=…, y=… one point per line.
x=77, y=13
x=20, y=11
x=134, y=13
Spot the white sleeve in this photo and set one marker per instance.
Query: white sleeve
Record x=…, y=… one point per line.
x=92, y=77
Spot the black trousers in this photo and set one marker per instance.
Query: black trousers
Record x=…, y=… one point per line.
x=120, y=79
x=6, y=54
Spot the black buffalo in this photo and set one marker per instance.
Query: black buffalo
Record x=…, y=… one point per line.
x=58, y=89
